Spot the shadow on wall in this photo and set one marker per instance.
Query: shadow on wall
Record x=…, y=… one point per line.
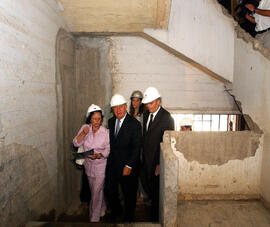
x=25, y=186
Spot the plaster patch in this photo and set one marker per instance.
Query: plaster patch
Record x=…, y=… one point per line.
x=234, y=179
x=217, y=148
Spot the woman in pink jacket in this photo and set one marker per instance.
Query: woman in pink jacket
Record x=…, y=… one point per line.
x=93, y=135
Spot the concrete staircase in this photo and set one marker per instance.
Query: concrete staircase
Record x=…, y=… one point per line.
x=79, y=217
x=81, y=224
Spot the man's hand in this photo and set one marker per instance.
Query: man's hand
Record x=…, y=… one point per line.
x=126, y=171
x=250, y=18
x=157, y=171
x=250, y=7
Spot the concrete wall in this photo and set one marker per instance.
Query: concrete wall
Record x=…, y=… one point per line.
x=218, y=165
x=68, y=177
x=200, y=30
x=138, y=64
x=82, y=79
x=169, y=174
x=252, y=88
x=28, y=146
x=93, y=74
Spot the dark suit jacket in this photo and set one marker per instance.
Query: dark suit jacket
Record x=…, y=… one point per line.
x=152, y=139
x=125, y=148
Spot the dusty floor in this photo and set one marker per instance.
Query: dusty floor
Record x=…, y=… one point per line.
x=223, y=214
x=80, y=213
x=78, y=216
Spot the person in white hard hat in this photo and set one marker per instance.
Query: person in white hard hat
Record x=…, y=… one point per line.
x=136, y=108
x=156, y=121
x=186, y=124
x=93, y=135
x=123, y=161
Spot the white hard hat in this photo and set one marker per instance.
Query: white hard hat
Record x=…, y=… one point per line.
x=92, y=108
x=186, y=122
x=118, y=100
x=150, y=95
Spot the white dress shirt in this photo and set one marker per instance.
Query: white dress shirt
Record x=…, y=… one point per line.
x=154, y=115
x=121, y=122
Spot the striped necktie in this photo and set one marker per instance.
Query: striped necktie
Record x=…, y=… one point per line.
x=117, y=127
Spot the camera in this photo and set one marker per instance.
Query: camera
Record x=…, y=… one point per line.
x=241, y=11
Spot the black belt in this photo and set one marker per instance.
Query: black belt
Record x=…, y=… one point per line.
x=262, y=31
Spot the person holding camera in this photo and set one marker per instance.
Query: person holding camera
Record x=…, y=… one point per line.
x=261, y=17
x=93, y=135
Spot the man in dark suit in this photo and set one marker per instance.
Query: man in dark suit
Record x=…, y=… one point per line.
x=123, y=162
x=156, y=121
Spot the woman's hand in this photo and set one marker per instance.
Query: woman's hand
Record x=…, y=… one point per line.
x=95, y=156
x=86, y=129
x=92, y=156
x=83, y=133
x=99, y=155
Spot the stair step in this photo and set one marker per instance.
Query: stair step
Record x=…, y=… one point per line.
x=81, y=224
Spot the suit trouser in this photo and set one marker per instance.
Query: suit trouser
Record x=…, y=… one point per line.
x=97, y=206
x=129, y=186
x=151, y=187
x=155, y=199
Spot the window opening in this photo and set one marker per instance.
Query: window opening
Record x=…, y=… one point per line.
x=210, y=122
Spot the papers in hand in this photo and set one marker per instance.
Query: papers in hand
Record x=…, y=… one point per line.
x=83, y=154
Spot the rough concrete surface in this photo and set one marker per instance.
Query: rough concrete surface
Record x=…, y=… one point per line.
x=222, y=214
x=61, y=224
x=26, y=190
x=83, y=78
x=137, y=63
x=93, y=73
x=28, y=117
x=168, y=184
x=256, y=44
x=233, y=179
x=252, y=88
x=213, y=49
x=217, y=148
x=68, y=177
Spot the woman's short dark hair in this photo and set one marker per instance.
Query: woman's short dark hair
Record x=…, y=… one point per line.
x=88, y=119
